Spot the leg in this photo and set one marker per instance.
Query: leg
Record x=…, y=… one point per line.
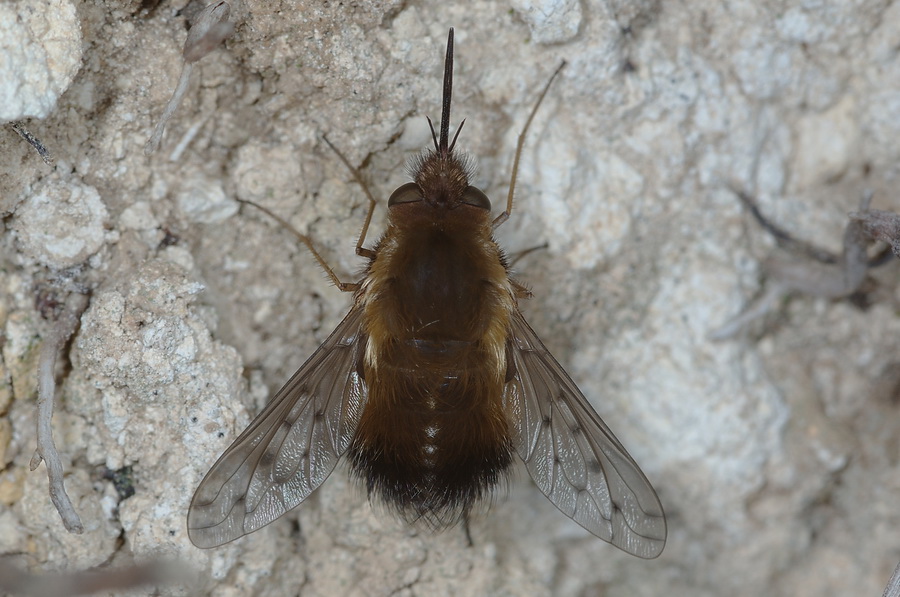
x=360, y=249
x=515, y=169
x=342, y=286
x=515, y=257
x=466, y=530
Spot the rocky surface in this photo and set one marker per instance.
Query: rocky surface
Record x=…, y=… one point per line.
x=775, y=453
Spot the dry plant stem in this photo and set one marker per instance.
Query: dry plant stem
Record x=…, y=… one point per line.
x=757, y=310
x=210, y=28
x=828, y=280
x=17, y=582
x=186, y=139
x=824, y=280
x=893, y=587
x=19, y=127
x=519, y=145
x=46, y=448
x=782, y=237
x=814, y=273
x=153, y=144
x=880, y=225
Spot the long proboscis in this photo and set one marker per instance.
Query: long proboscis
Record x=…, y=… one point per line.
x=444, y=147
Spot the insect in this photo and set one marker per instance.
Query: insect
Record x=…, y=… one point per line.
x=430, y=384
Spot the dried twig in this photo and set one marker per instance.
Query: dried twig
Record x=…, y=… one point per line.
x=893, y=587
x=46, y=448
x=880, y=225
x=210, y=28
x=757, y=310
x=20, y=128
x=15, y=581
x=781, y=236
x=807, y=270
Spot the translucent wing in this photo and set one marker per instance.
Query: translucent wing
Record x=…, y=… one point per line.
x=290, y=448
x=572, y=455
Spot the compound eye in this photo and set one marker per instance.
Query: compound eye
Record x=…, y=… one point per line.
x=408, y=193
x=476, y=198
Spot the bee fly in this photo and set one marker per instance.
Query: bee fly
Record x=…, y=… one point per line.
x=430, y=384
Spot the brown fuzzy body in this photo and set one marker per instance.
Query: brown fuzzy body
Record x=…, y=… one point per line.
x=433, y=437
x=430, y=384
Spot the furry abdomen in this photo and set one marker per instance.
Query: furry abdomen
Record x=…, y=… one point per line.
x=433, y=437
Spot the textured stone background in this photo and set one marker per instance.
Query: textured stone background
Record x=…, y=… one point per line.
x=774, y=454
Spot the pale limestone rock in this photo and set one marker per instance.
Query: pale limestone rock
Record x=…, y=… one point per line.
x=775, y=458
x=40, y=54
